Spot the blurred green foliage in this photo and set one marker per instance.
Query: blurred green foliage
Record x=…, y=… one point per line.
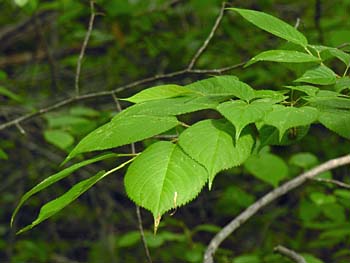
x=133, y=39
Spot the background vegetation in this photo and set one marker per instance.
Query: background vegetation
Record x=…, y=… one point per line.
x=40, y=43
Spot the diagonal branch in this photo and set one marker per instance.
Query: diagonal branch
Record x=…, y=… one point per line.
x=83, y=48
x=267, y=199
x=289, y=254
x=206, y=42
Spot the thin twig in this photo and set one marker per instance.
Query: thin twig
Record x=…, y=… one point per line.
x=143, y=238
x=117, y=103
x=94, y=95
x=138, y=212
x=297, y=258
x=83, y=48
x=187, y=70
x=267, y=199
x=208, y=39
x=332, y=181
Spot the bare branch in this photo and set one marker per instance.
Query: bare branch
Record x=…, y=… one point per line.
x=187, y=70
x=290, y=254
x=93, y=95
x=208, y=39
x=332, y=181
x=267, y=199
x=83, y=48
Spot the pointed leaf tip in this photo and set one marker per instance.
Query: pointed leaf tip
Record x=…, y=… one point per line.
x=273, y=25
x=160, y=171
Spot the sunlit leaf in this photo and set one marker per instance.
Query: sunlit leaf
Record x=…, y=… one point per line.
x=267, y=167
x=59, y=138
x=273, y=25
x=284, y=118
x=307, y=89
x=285, y=56
x=56, y=177
x=336, y=120
x=159, y=92
x=240, y=113
x=210, y=143
x=320, y=75
x=54, y=206
x=228, y=86
x=342, y=84
x=123, y=130
x=164, y=177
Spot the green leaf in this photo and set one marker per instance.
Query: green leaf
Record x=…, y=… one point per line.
x=308, y=211
x=240, y=114
x=209, y=142
x=21, y=3
x=284, y=118
x=337, y=121
x=304, y=160
x=307, y=89
x=3, y=155
x=269, y=135
x=269, y=96
x=159, y=92
x=331, y=102
x=273, y=25
x=5, y=92
x=59, y=138
x=342, y=84
x=56, y=177
x=345, y=194
x=340, y=233
x=3, y=75
x=341, y=55
x=163, y=177
x=123, y=130
x=83, y=111
x=66, y=120
x=247, y=259
x=320, y=75
x=54, y=206
x=267, y=167
x=172, y=106
x=334, y=52
x=129, y=239
x=335, y=212
x=228, y=86
x=320, y=198
x=285, y=56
